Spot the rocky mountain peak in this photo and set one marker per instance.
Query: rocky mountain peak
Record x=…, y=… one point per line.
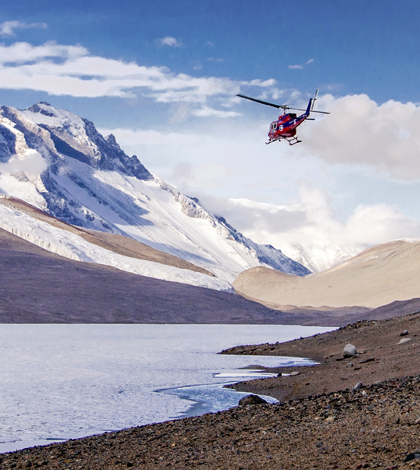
x=85, y=179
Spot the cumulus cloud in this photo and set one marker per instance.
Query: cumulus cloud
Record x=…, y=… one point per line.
x=310, y=220
x=205, y=111
x=30, y=162
x=130, y=137
x=208, y=175
x=72, y=70
x=21, y=52
x=361, y=132
x=169, y=41
x=8, y=28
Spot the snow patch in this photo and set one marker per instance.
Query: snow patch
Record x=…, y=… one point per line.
x=73, y=247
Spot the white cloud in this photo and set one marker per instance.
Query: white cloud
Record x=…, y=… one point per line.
x=360, y=132
x=30, y=162
x=71, y=70
x=310, y=220
x=208, y=175
x=21, y=52
x=300, y=66
x=8, y=28
x=205, y=111
x=128, y=137
x=169, y=41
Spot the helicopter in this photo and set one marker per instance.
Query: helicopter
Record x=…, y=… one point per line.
x=285, y=127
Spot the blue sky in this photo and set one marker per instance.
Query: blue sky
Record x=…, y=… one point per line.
x=162, y=76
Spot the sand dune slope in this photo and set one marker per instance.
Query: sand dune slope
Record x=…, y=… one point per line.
x=375, y=277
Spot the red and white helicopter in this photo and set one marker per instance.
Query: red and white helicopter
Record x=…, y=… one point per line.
x=285, y=127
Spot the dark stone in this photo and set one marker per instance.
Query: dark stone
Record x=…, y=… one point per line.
x=370, y=359
x=251, y=400
x=412, y=456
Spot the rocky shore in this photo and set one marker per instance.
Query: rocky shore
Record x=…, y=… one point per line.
x=382, y=353
x=357, y=412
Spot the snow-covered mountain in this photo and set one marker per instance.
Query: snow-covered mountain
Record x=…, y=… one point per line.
x=58, y=162
x=320, y=257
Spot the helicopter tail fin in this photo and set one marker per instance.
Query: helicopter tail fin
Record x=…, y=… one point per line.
x=314, y=99
x=310, y=106
x=311, y=103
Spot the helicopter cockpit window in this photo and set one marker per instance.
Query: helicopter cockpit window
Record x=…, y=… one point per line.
x=274, y=126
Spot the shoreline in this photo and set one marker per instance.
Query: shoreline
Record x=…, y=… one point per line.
x=382, y=353
x=323, y=420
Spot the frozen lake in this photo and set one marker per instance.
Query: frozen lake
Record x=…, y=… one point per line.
x=64, y=381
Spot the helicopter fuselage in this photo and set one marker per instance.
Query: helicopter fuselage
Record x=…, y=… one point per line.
x=285, y=126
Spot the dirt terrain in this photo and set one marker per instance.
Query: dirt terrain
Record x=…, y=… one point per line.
x=41, y=287
x=381, y=354
x=375, y=277
x=345, y=413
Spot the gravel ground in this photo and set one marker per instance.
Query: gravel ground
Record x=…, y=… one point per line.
x=376, y=425
x=373, y=427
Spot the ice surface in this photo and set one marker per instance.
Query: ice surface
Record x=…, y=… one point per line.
x=66, y=381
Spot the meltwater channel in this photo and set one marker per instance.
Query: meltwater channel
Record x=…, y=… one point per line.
x=66, y=381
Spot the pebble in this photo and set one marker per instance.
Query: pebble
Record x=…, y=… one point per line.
x=404, y=340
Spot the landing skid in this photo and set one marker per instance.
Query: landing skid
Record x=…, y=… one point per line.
x=291, y=140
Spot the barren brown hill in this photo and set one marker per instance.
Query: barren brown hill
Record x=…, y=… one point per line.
x=42, y=287
x=375, y=277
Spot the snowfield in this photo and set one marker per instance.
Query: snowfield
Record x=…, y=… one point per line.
x=76, y=248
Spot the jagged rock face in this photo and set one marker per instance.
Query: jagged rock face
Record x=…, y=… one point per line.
x=59, y=162
x=78, y=138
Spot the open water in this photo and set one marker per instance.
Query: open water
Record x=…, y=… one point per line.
x=65, y=381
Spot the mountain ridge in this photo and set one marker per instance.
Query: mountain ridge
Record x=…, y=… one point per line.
x=86, y=179
x=378, y=276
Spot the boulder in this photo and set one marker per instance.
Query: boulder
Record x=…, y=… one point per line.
x=349, y=351
x=251, y=400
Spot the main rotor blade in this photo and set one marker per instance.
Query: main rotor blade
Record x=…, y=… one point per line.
x=312, y=111
x=278, y=106
x=321, y=112
x=262, y=102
